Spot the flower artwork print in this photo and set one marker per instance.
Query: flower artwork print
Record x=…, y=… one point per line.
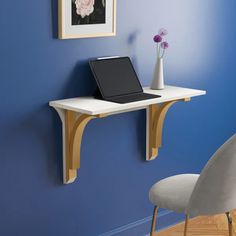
x=85, y=12
x=86, y=18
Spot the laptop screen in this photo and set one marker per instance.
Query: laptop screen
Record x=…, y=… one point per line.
x=115, y=76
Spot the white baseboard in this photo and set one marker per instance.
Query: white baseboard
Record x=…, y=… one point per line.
x=165, y=219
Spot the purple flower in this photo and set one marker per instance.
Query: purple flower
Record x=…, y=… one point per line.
x=163, y=32
x=157, y=38
x=164, y=45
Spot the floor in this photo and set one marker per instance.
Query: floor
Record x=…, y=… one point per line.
x=204, y=226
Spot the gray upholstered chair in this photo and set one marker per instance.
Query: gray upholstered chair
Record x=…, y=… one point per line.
x=211, y=192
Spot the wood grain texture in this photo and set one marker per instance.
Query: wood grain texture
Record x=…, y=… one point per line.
x=152, y=150
x=70, y=174
x=156, y=117
x=202, y=226
x=76, y=139
x=75, y=124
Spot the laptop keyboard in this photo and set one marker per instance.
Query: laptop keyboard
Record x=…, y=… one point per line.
x=133, y=98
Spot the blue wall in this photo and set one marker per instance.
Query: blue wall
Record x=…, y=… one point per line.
x=112, y=188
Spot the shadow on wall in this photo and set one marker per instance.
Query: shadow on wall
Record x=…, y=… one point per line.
x=80, y=82
x=132, y=43
x=141, y=135
x=54, y=11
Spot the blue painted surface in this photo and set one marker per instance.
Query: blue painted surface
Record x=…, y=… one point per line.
x=112, y=188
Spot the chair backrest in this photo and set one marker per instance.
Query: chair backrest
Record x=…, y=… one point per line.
x=215, y=190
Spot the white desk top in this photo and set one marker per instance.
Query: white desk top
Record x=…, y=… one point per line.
x=92, y=106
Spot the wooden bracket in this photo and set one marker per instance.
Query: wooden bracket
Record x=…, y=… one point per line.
x=74, y=128
x=156, y=117
x=74, y=124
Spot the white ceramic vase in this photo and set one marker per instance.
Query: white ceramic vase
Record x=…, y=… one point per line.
x=158, y=76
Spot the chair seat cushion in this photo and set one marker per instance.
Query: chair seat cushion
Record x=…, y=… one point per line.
x=174, y=192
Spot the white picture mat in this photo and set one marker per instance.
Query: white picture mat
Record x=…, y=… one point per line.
x=106, y=28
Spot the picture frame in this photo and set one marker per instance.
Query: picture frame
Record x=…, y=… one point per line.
x=96, y=18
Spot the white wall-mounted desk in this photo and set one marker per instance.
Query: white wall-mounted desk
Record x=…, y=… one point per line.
x=75, y=113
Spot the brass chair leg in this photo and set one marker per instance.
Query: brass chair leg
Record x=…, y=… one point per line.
x=186, y=225
x=230, y=223
x=154, y=219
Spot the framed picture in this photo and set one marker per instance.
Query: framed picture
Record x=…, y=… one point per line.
x=86, y=18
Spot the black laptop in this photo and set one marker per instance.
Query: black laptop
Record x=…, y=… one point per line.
x=117, y=80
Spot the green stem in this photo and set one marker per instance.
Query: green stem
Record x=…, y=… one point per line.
x=158, y=50
x=163, y=53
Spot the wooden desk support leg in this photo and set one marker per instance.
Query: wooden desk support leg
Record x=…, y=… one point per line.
x=155, y=119
x=73, y=128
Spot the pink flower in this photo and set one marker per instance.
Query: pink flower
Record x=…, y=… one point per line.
x=84, y=7
x=157, y=38
x=164, y=45
x=163, y=32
